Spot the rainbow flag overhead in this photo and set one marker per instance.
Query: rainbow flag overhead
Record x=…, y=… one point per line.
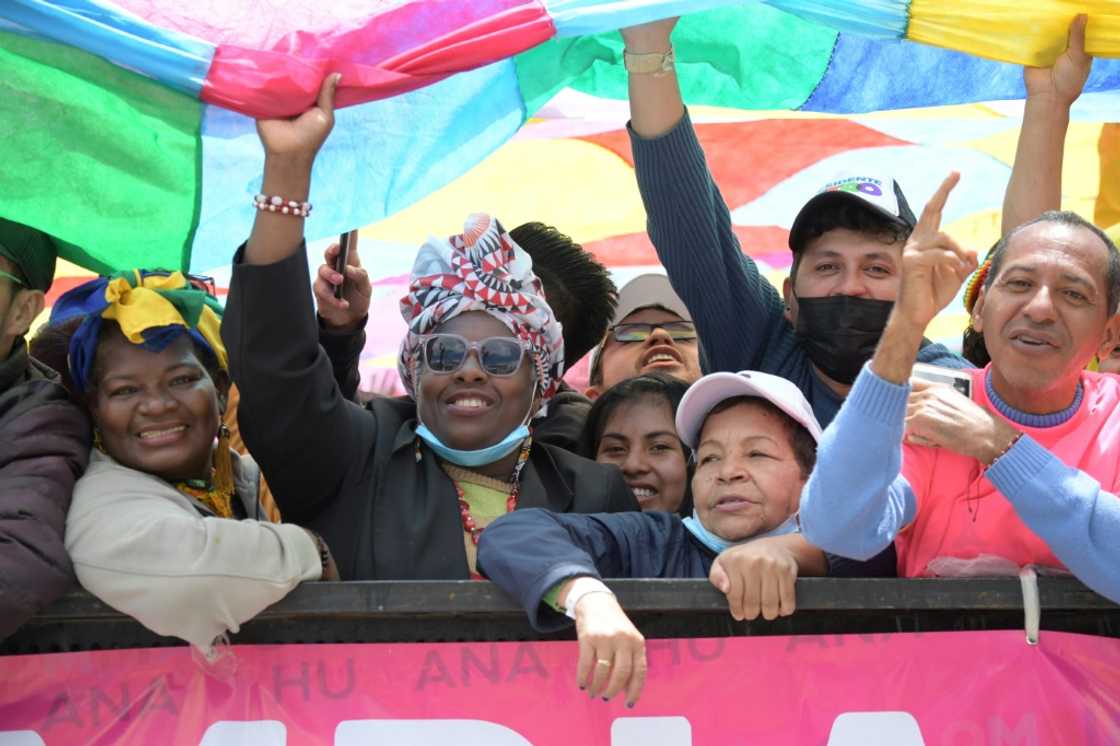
x=129, y=125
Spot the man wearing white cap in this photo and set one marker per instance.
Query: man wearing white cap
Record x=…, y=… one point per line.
x=754, y=437
x=651, y=331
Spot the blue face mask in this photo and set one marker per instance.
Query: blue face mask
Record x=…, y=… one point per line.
x=718, y=545
x=480, y=457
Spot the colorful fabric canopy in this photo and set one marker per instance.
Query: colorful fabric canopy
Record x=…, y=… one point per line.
x=130, y=122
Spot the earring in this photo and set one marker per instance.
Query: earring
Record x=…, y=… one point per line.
x=223, y=463
x=97, y=440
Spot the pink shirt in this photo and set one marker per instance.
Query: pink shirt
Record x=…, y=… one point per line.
x=962, y=515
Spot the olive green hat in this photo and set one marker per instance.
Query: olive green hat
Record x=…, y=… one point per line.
x=33, y=252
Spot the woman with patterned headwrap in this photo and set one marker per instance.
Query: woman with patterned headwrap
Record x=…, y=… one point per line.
x=401, y=488
x=165, y=525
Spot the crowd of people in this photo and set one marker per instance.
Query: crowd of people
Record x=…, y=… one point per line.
x=191, y=464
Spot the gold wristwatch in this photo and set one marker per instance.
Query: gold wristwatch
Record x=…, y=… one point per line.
x=656, y=64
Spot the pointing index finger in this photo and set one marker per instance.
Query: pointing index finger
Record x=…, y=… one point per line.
x=929, y=224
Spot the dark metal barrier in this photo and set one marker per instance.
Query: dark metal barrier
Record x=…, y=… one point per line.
x=434, y=611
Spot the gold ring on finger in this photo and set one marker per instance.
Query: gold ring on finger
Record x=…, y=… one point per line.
x=603, y=662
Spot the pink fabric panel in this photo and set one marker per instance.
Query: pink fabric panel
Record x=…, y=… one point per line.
x=272, y=55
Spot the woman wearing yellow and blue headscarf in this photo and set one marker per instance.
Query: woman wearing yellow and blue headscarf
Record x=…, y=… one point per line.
x=165, y=524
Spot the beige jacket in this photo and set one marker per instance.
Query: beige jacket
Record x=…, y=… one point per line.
x=143, y=548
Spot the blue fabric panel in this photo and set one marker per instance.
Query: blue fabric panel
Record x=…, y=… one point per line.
x=587, y=17
x=880, y=19
x=382, y=157
x=174, y=59
x=885, y=19
x=871, y=75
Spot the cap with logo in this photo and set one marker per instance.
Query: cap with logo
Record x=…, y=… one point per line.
x=703, y=396
x=879, y=194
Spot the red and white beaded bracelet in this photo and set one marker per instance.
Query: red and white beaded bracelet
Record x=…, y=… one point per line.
x=263, y=202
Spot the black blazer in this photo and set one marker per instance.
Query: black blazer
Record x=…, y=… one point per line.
x=351, y=472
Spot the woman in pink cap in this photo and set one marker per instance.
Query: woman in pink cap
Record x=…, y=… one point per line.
x=754, y=438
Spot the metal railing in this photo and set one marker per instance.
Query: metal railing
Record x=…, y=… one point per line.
x=433, y=611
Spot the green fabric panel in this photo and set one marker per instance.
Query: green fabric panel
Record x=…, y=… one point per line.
x=98, y=156
x=775, y=65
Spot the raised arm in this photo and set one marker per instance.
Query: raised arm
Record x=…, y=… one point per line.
x=298, y=427
x=856, y=500
x=738, y=314
x=1036, y=175
x=290, y=147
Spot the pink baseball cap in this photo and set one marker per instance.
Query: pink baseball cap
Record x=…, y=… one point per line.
x=703, y=396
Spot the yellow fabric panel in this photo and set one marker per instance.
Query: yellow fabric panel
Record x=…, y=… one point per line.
x=578, y=174
x=67, y=269
x=1107, y=208
x=1025, y=32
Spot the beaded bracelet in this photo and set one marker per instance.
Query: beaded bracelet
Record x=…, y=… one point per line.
x=1003, y=453
x=263, y=202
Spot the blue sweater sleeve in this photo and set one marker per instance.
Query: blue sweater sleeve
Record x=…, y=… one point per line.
x=529, y=551
x=739, y=316
x=856, y=500
x=1078, y=520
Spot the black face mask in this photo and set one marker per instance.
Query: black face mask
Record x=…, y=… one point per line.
x=840, y=332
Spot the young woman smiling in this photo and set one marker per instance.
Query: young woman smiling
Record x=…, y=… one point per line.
x=165, y=526
x=401, y=488
x=631, y=425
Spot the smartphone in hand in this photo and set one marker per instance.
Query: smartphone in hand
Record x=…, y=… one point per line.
x=340, y=262
x=958, y=379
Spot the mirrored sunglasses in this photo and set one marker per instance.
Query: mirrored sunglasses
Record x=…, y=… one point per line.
x=678, y=331
x=498, y=356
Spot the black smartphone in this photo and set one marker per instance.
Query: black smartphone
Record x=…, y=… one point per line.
x=340, y=262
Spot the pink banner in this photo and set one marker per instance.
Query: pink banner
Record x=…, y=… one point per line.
x=929, y=689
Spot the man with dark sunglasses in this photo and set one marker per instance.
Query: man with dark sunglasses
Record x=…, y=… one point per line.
x=651, y=331
x=44, y=438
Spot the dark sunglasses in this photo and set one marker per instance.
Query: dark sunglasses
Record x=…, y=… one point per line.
x=678, y=331
x=498, y=356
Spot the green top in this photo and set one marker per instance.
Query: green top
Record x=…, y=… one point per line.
x=486, y=498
